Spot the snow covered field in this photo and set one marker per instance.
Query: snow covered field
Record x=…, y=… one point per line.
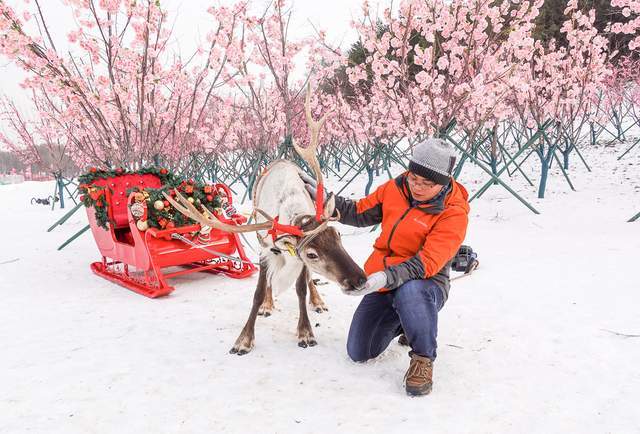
x=531, y=343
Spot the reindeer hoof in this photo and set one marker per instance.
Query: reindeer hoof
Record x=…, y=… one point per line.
x=402, y=340
x=319, y=307
x=239, y=351
x=265, y=311
x=307, y=342
x=242, y=346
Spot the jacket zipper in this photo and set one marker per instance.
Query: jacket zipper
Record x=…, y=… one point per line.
x=393, y=229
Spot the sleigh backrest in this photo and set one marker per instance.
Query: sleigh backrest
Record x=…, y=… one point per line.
x=117, y=188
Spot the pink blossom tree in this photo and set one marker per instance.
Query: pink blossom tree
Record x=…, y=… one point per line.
x=559, y=85
x=120, y=97
x=430, y=65
x=34, y=142
x=630, y=10
x=441, y=61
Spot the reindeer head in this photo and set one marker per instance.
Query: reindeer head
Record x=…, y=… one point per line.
x=321, y=250
x=324, y=254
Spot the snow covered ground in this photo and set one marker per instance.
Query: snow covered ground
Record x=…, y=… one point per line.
x=531, y=343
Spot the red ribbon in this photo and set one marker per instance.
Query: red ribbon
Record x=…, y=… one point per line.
x=287, y=229
x=319, y=201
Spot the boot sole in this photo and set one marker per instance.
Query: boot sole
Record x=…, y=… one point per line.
x=418, y=392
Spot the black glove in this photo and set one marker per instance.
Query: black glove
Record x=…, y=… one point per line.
x=312, y=186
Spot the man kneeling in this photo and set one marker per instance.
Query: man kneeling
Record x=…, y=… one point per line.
x=423, y=215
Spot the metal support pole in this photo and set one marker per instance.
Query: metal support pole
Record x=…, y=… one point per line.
x=65, y=217
x=76, y=235
x=495, y=178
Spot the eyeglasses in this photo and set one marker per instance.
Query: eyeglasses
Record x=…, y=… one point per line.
x=419, y=182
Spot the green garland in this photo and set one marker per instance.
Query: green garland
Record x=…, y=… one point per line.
x=166, y=177
x=168, y=216
x=93, y=195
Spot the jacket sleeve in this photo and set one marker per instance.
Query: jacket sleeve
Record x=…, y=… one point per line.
x=364, y=212
x=440, y=246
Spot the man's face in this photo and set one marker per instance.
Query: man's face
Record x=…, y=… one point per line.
x=421, y=188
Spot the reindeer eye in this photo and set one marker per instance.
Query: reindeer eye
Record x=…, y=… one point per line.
x=312, y=255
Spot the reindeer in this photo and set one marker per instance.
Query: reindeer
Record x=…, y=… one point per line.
x=298, y=241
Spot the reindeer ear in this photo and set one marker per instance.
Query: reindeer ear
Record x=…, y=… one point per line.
x=329, y=206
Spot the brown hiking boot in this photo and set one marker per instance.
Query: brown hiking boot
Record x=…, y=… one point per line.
x=419, y=377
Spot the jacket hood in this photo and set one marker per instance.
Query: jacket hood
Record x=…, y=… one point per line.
x=458, y=197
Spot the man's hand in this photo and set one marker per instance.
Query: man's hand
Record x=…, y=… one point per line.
x=375, y=282
x=311, y=185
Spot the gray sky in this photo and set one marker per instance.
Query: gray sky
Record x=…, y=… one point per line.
x=333, y=16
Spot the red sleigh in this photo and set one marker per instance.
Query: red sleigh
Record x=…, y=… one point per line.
x=138, y=260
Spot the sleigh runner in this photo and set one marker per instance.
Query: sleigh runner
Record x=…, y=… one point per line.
x=142, y=256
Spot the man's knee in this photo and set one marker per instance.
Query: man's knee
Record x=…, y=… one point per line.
x=356, y=351
x=410, y=291
x=414, y=290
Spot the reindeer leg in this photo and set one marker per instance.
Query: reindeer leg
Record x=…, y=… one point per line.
x=315, y=300
x=305, y=333
x=267, y=305
x=245, y=341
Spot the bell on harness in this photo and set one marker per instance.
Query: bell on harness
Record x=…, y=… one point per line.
x=466, y=260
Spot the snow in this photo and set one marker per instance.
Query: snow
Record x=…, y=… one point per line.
x=532, y=342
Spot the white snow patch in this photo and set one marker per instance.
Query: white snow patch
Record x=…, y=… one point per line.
x=527, y=344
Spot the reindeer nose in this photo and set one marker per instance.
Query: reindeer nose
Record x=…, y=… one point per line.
x=357, y=283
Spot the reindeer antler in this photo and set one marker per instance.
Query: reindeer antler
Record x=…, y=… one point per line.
x=308, y=154
x=207, y=218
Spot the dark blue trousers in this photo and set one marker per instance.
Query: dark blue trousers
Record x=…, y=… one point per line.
x=380, y=317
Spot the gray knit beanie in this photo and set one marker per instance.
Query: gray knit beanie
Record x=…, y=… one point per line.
x=433, y=159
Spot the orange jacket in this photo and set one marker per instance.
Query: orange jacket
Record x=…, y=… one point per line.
x=416, y=242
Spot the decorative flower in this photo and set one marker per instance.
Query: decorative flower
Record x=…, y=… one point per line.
x=137, y=209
